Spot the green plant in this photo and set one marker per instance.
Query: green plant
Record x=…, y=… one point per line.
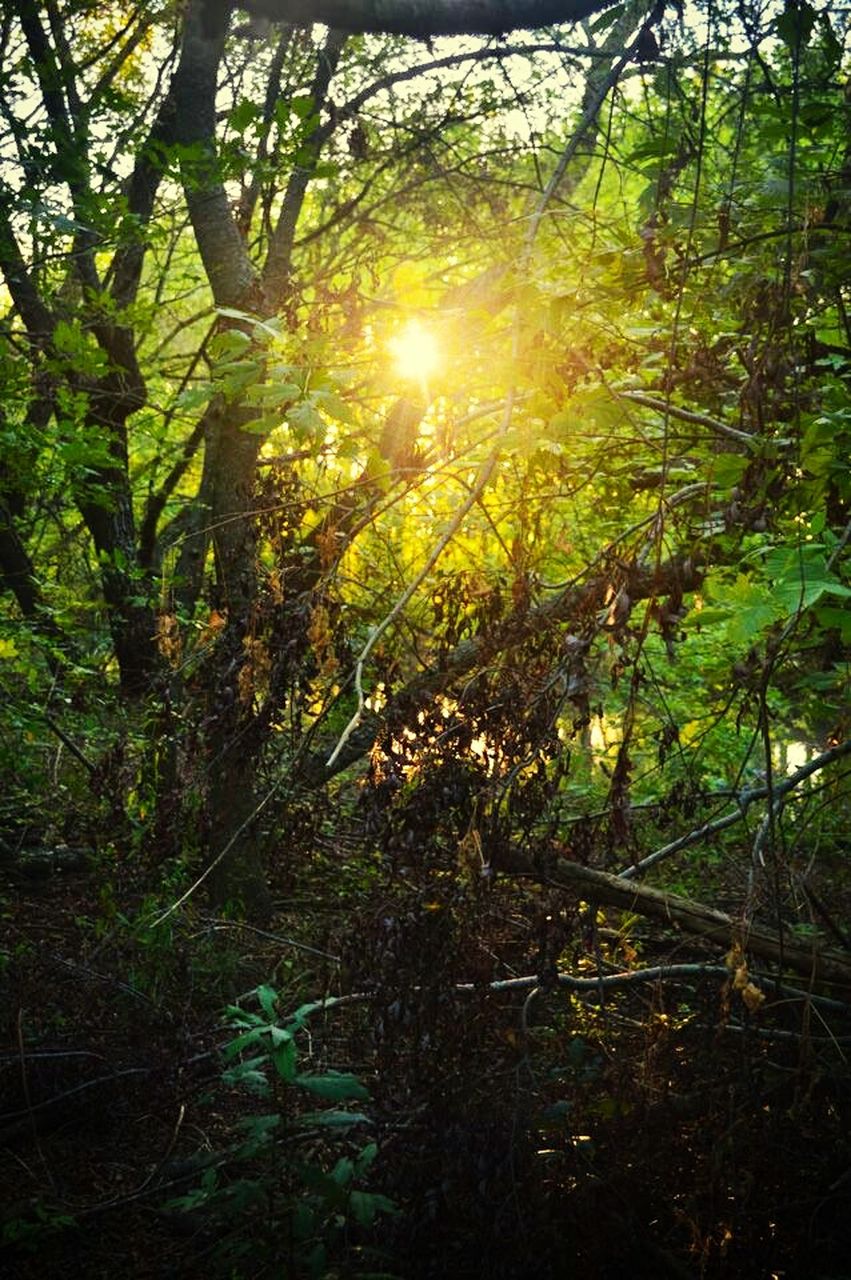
x=28, y=1229
x=269, y=1202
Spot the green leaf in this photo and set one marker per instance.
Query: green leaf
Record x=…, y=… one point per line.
x=366, y=1158
x=301, y=106
x=268, y=999
x=707, y=617
x=728, y=469
x=332, y=1119
x=195, y=397
x=336, y=1086
x=306, y=423
x=832, y=619
x=343, y=1171
x=800, y=577
x=284, y=1058
x=248, y=1075
x=270, y=327
x=252, y=1037
x=752, y=608
x=367, y=1205
x=243, y=115
x=795, y=24
x=607, y=19
x=231, y=342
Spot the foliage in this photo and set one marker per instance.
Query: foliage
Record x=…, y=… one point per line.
x=312, y=1209
x=423, y=470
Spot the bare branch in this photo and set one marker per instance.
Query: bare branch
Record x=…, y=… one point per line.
x=743, y=800
x=688, y=415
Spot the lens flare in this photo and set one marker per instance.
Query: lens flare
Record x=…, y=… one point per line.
x=415, y=352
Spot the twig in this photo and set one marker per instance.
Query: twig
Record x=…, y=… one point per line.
x=743, y=800
x=688, y=415
x=184, y=897
x=840, y=546
x=66, y=741
x=485, y=473
x=220, y=925
x=29, y=1111
x=487, y=468
x=70, y=1093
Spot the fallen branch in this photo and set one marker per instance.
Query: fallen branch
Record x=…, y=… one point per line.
x=822, y=965
x=577, y=601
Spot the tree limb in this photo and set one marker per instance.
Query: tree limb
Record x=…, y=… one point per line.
x=743, y=800
x=820, y=964
x=424, y=18
x=574, y=603
x=227, y=265
x=688, y=415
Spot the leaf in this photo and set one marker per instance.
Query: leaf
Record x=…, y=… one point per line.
x=195, y=397
x=336, y=1086
x=366, y=1158
x=752, y=996
x=795, y=24
x=243, y=115
x=343, y=1171
x=306, y=423
x=835, y=619
x=304, y=1011
x=555, y=1116
x=270, y=327
x=607, y=19
x=230, y=342
x=366, y=1205
x=801, y=577
x=284, y=1059
x=233, y=1047
x=728, y=469
x=301, y=106
x=753, y=608
x=249, y=1075
x=268, y=999
x=707, y=617
x=333, y=1119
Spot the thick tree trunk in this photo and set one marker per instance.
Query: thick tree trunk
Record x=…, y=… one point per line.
x=233, y=738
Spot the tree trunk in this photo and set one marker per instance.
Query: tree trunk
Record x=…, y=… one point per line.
x=233, y=739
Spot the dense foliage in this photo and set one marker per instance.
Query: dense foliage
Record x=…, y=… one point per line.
x=424, y=525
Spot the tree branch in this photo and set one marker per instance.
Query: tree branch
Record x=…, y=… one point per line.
x=743, y=800
x=424, y=18
x=574, y=602
x=226, y=262
x=688, y=415
x=822, y=964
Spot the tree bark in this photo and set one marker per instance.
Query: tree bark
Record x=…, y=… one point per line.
x=827, y=967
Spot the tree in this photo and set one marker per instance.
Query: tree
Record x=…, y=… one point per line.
x=705, y=439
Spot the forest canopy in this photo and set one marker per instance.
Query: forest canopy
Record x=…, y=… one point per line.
x=424, y=442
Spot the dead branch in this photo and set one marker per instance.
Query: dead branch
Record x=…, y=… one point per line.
x=822, y=965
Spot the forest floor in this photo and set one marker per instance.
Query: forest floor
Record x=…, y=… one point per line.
x=659, y=1135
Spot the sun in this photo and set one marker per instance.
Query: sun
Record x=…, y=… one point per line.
x=415, y=352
